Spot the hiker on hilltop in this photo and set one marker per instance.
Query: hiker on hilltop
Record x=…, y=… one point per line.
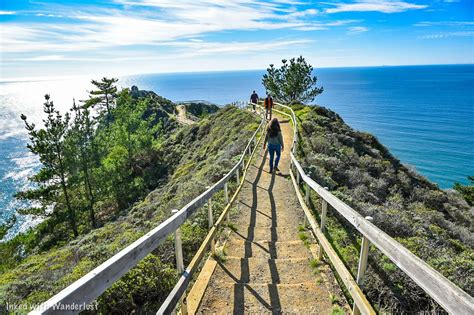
x=268, y=104
x=254, y=99
x=274, y=139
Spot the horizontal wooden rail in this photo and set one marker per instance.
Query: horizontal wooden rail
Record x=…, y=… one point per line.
x=93, y=284
x=443, y=291
x=180, y=288
x=344, y=274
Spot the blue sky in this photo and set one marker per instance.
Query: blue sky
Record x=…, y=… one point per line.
x=116, y=37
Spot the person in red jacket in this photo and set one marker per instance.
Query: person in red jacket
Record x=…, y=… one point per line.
x=268, y=104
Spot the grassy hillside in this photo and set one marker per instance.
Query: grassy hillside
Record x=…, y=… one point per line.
x=188, y=159
x=434, y=224
x=181, y=161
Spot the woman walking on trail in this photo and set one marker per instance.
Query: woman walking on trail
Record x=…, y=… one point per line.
x=275, y=143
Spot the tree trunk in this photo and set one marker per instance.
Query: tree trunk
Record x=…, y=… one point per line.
x=70, y=210
x=88, y=188
x=107, y=103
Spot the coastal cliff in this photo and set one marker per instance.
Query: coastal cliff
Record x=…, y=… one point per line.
x=434, y=224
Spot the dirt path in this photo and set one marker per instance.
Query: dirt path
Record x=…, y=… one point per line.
x=267, y=267
x=181, y=115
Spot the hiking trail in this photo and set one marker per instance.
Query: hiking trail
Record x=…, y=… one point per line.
x=267, y=265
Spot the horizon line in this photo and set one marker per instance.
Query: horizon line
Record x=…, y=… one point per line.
x=60, y=77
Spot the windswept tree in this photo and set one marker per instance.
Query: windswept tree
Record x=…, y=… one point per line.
x=48, y=144
x=129, y=135
x=104, y=96
x=293, y=82
x=81, y=138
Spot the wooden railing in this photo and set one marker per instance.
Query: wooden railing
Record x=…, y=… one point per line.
x=444, y=292
x=93, y=284
x=179, y=290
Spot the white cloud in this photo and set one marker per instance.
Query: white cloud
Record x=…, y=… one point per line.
x=161, y=22
x=324, y=26
x=183, y=49
x=45, y=58
x=357, y=30
x=311, y=28
x=48, y=15
x=448, y=34
x=447, y=29
x=445, y=23
x=384, y=6
x=7, y=12
x=304, y=13
x=209, y=48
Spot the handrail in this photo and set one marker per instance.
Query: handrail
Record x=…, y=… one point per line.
x=179, y=289
x=452, y=298
x=94, y=283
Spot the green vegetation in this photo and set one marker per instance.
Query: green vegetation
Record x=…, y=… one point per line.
x=314, y=263
x=94, y=167
x=293, y=82
x=220, y=255
x=232, y=226
x=434, y=224
x=132, y=167
x=104, y=96
x=50, y=145
x=337, y=310
x=200, y=110
x=108, y=179
x=467, y=191
x=333, y=298
x=304, y=238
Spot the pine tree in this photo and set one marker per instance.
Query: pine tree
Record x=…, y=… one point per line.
x=104, y=96
x=81, y=137
x=293, y=82
x=49, y=145
x=128, y=135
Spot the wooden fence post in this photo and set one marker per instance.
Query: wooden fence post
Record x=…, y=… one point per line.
x=306, y=200
x=226, y=196
x=178, y=251
x=324, y=210
x=364, y=255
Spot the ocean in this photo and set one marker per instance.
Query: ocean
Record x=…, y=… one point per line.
x=423, y=114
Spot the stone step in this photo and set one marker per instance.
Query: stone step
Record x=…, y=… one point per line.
x=264, y=298
x=261, y=270
x=266, y=207
x=266, y=218
x=273, y=234
x=266, y=249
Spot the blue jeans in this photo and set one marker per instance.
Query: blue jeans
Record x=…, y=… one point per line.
x=272, y=149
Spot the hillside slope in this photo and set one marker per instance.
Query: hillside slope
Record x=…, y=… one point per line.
x=434, y=224
x=191, y=158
